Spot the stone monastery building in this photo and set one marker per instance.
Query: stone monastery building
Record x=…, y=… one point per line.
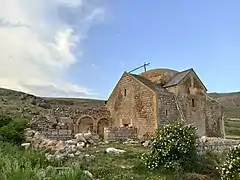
x=143, y=102
x=155, y=97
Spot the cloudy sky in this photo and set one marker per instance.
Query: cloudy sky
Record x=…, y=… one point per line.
x=80, y=48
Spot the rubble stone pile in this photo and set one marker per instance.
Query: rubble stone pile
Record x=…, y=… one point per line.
x=59, y=150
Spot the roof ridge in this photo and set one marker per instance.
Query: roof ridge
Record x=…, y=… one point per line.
x=171, y=81
x=153, y=86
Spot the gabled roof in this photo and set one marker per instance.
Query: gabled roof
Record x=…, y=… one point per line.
x=148, y=83
x=179, y=77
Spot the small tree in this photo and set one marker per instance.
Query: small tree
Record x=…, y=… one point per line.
x=173, y=147
x=4, y=120
x=12, y=130
x=230, y=170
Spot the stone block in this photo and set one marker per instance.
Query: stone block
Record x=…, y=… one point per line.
x=55, y=133
x=62, y=132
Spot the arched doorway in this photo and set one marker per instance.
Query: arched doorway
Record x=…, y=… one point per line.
x=102, y=123
x=84, y=124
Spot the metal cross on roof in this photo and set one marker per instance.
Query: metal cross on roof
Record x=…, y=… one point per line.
x=143, y=66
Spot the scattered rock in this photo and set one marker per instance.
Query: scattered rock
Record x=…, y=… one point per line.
x=72, y=142
x=77, y=153
x=71, y=155
x=114, y=150
x=49, y=157
x=87, y=173
x=80, y=137
x=146, y=143
x=87, y=136
x=26, y=145
x=80, y=145
x=59, y=150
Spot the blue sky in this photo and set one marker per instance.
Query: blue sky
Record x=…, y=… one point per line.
x=202, y=34
x=81, y=48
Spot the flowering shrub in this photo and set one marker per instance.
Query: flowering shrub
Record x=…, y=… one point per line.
x=231, y=168
x=173, y=146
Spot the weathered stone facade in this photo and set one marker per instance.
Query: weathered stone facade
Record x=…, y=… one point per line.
x=122, y=133
x=216, y=144
x=143, y=102
x=72, y=119
x=133, y=104
x=160, y=96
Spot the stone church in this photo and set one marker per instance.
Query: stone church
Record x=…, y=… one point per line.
x=141, y=102
x=156, y=97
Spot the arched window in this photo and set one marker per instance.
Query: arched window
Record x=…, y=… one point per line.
x=166, y=112
x=125, y=92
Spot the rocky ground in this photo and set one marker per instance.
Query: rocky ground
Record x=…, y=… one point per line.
x=20, y=104
x=100, y=159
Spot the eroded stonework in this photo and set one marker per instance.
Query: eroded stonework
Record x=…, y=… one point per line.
x=160, y=96
x=144, y=103
x=73, y=119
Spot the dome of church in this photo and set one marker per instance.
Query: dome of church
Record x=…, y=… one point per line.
x=159, y=76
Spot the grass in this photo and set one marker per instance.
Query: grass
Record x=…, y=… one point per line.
x=232, y=129
x=19, y=164
x=125, y=166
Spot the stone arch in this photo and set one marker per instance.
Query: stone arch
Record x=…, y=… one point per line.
x=102, y=123
x=83, y=124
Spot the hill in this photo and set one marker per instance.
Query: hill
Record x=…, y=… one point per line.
x=20, y=104
x=230, y=102
x=231, y=105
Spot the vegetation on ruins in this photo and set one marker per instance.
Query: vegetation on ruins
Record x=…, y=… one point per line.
x=12, y=130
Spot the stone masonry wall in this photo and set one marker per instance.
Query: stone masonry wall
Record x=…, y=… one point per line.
x=121, y=133
x=217, y=145
x=133, y=103
x=167, y=108
x=214, y=118
x=62, y=120
x=58, y=134
x=191, y=97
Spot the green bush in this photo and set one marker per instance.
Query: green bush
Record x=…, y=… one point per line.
x=173, y=148
x=12, y=130
x=4, y=120
x=231, y=168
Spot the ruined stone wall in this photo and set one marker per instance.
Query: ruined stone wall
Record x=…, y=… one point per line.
x=214, y=118
x=217, y=145
x=167, y=108
x=74, y=119
x=135, y=104
x=120, y=133
x=58, y=134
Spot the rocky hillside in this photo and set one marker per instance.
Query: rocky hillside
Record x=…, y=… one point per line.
x=231, y=104
x=230, y=101
x=20, y=104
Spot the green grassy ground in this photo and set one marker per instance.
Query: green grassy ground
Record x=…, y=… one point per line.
x=19, y=164
x=232, y=128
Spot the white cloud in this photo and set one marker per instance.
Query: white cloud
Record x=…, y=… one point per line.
x=37, y=44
